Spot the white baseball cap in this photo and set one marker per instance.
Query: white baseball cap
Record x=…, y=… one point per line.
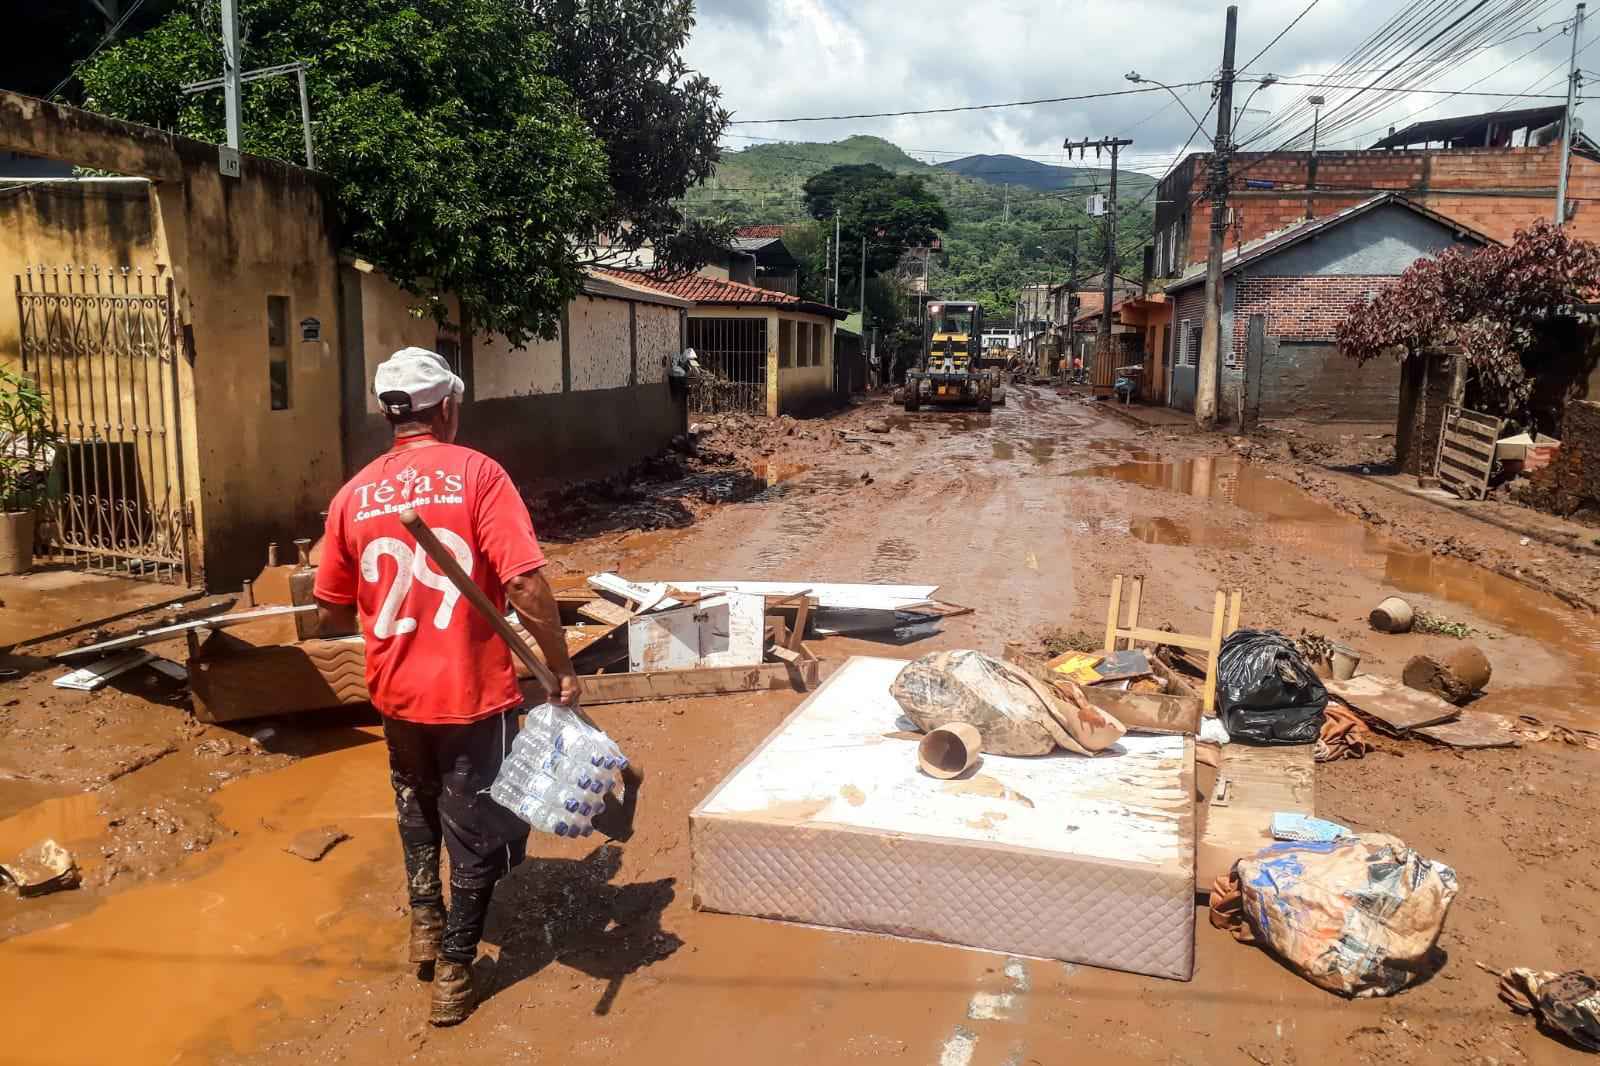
x=415, y=379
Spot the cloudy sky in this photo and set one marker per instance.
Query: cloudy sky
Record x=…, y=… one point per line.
x=783, y=58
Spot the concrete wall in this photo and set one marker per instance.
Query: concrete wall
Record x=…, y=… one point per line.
x=1383, y=241
x=807, y=384
x=588, y=403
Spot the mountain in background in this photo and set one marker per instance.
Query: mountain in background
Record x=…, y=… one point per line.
x=1012, y=223
x=1045, y=177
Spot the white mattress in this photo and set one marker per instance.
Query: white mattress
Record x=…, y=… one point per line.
x=830, y=823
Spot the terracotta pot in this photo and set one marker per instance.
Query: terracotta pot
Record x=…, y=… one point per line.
x=1393, y=615
x=949, y=751
x=16, y=542
x=1345, y=661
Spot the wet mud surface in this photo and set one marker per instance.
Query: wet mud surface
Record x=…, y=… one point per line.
x=211, y=944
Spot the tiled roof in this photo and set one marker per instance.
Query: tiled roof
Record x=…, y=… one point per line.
x=704, y=290
x=759, y=231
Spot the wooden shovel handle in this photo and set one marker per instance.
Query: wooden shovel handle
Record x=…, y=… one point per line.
x=446, y=562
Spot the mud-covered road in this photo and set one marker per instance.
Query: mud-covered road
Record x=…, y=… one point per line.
x=241, y=953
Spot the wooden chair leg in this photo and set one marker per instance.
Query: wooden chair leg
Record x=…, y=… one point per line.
x=1233, y=611
x=1112, y=612
x=1135, y=594
x=1209, y=701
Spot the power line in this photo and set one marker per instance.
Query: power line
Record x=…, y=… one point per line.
x=1281, y=33
x=965, y=107
x=116, y=27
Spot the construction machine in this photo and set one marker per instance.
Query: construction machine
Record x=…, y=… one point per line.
x=953, y=369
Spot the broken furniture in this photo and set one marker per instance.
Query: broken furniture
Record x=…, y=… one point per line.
x=1467, y=451
x=1400, y=711
x=1241, y=788
x=829, y=822
x=1225, y=613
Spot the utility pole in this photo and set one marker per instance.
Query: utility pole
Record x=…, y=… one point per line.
x=828, y=284
x=232, y=68
x=863, y=282
x=1209, y=376
x=838, y=248
x=1115, y=144
x=1566, y=123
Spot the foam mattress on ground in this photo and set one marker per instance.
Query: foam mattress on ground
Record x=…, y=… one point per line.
x=829, y=822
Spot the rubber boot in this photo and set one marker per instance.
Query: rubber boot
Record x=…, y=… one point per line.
x=427, y=931
x=452, y=993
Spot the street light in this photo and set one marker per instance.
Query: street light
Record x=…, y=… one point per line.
x=1138, y=79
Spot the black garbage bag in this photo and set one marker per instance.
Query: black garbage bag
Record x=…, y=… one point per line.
x=1266, y=691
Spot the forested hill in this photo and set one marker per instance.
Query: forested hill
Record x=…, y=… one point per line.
x=1004, y=233
x=1046, y=177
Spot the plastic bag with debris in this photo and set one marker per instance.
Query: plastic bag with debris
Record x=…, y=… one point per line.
x=1266, y=691
x=1014, y=713
x=1360, y=916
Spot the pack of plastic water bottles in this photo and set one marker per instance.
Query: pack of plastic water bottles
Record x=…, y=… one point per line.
x=559, y=772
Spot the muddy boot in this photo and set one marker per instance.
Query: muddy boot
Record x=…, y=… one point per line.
x=452, y=993
x=427, y=930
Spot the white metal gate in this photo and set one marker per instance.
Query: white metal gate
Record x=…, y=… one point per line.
x=103, y=346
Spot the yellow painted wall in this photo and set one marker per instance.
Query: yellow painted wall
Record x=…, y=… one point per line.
x=500, y=370
x=105, y=224
x=800, y=387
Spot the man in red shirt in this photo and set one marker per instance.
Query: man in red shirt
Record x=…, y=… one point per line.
x=437, y=672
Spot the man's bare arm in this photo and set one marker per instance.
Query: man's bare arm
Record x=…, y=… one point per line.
x=535, y=603
x=336, y=619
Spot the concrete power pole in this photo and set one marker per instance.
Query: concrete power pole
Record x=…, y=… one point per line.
x=1209, y=377
x=232, y=68
x=1115, y=144
x=1573, y=78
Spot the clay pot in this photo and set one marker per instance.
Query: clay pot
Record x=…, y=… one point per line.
x=1344, y=662
x=16, y=542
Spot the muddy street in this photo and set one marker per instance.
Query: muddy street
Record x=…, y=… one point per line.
x=234, y=951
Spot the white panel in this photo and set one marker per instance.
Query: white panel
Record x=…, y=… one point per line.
x=600, y=348
x=722, y=631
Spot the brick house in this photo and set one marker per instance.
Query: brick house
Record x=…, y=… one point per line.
x=1481, y=177
x=1296, y=284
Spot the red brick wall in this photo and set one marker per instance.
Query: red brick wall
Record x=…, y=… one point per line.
x=1298, y=308
x=1312, y=380
x=1496, y=191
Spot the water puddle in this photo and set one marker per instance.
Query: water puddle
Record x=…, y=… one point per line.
x=168, y=972
x=64, y=819
x=1288, y=515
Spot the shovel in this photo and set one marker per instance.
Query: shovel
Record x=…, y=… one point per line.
x=445, y=560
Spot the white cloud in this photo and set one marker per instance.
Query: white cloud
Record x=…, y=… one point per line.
x=778, y=58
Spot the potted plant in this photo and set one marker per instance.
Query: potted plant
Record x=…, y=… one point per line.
x=27, y=450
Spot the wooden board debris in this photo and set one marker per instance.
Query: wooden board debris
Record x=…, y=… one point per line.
x=666, y=684
x=604, y=611
x=1391, y=705
x=1473, y=730
x=1260, y=783
x=1466, y=451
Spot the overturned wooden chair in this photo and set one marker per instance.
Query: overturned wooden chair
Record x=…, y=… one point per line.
x=1226, y=613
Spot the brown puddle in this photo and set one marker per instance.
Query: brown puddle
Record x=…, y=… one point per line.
x=1287, y=514
x=169, y=972
x=63, y=819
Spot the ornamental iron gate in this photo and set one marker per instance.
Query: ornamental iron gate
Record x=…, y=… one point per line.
x=102, y=344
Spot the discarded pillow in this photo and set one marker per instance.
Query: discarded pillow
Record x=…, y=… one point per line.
x=1359, y=916
x=1013, y=713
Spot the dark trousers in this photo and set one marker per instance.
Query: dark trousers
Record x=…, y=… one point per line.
x=441, y=776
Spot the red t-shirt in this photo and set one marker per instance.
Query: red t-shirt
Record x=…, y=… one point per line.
x=430, y=657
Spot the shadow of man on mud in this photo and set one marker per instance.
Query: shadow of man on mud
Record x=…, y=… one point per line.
x=568, y=911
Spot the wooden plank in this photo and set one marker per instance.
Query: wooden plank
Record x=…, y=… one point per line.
x=1147, y=712
x=1261, y=782
x=1135, y=594
x=666, y=684
x=1162, y=636
x=1390, y=703
x=1472, y=731
x=1233, y=610
x=612, y=614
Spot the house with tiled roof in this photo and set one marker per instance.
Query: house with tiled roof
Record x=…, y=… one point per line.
x=760, y=350
x=757, y=256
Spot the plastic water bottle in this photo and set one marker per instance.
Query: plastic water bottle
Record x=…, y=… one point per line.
x=578, y=742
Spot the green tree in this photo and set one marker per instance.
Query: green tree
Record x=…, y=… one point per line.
x=462, y=161
x=658, y=120
x=891, y=212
